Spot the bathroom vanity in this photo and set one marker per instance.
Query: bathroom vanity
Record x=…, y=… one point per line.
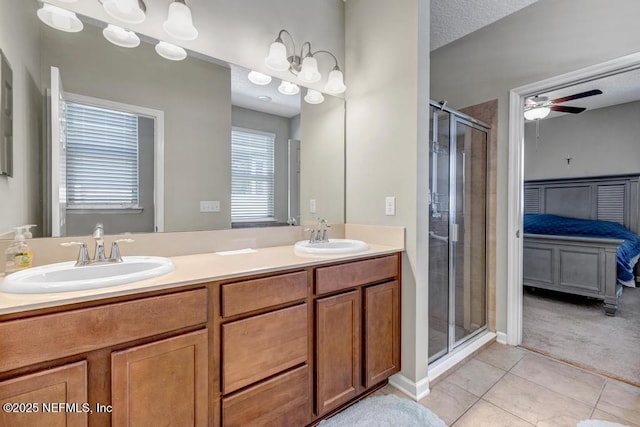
x=284, y=345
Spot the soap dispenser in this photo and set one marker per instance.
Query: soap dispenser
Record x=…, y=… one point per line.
x=19, y=255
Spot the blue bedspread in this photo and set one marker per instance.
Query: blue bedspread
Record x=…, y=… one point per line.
x=628, y=252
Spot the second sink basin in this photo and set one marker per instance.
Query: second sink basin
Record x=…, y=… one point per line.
x=333, y=246
x=66, y=277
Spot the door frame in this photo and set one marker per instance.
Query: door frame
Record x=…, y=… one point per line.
x=158, y=151
x=515, y=208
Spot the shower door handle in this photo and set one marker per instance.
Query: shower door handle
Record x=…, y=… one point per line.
x=454, y=232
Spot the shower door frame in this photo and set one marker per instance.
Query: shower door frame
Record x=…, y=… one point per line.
x=456, y=117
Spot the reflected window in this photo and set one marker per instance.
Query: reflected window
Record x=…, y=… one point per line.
x=252, y=175
x=102, y=158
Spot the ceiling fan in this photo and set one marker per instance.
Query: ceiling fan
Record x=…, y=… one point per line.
x=539, y=107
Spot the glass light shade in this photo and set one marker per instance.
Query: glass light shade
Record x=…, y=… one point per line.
x=259, y=78
x=121, y=37
x=179, y=23
x=537, y=113
x=59, y=18
x=314, y=97
x=288, y=88
x=170, y=51
x=335, y=83
x=309, y=71
x=128, y=11
x=277, y=59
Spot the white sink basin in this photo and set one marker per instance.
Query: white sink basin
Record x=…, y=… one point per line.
x=333, y=246
x=65, y=276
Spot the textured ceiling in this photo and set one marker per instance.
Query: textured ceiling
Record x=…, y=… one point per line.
x=453, y=19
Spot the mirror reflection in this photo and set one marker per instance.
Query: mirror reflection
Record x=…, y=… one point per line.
x=140, y=143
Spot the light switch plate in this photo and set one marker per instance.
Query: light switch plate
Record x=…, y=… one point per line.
x=390, y=205
x=209, y=206
x=312, y=206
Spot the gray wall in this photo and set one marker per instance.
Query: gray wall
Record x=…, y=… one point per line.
x=19, y=40
x=548, y=38
x=605, y=141
x=281, y=126
x=195, y=96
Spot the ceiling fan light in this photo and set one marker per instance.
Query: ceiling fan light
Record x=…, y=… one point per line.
x=309, y=72
x=121, y=37
x=179, y=23
x=258, y=78
x=170, y=51
x=314, y=97
x=59, y=18
x=288, y=88
x=335, y=83
x=537, y=113
x=129, y=11
x=277, y=58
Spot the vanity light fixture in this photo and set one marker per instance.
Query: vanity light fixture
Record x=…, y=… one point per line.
x=170, y=51
x=59, y=18
x=179, y=23
x=129, y=11
x=314, y=97
x=288, y=88
x=121, y=37
x=303, y=64
x=258, y=78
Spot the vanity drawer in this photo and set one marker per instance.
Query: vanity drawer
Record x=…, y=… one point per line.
x=281, y=401
x=250, y=295
x=261, y=346
x=52, y=336
x=344, y=276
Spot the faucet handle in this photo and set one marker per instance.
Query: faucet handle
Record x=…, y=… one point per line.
x=115, y=249
x=83, y=255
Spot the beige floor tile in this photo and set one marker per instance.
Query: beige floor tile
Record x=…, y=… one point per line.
x=560, y=377
x=603, y=416
x=484, y=414
x=536, y=404
x=476, y=376
x=501, y=356
x=622, y=400
x=389, y=389
x=448, y=401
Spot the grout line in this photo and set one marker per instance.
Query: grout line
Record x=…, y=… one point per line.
x=599, y=397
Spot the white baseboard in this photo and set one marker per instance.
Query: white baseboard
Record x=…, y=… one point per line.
x=415, y=390
x=441, y=367
x=501, y=337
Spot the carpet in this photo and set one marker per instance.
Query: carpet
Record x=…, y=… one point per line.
x=385, y=411
x=575, y=330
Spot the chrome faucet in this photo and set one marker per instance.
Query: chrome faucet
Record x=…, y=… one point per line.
x=319, y=233
x=98, y=236
x=99, y=256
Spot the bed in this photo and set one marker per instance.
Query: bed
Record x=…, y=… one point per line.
x=580, y=236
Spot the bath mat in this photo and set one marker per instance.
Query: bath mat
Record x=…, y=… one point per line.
x=598, y=423
x=384, y=411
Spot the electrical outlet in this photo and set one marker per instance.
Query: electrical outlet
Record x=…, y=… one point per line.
x=312, y=206
x=209, y=206
x=390, y=205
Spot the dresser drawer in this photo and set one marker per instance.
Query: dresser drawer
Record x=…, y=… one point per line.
x=250, y=295
x=52, y=336
x=261, y=346
x=344, y=276
x=281, y=401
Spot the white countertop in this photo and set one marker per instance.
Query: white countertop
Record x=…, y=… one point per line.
x=191, y=269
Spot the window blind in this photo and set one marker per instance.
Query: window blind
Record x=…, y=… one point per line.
x=102, y=158
x=252, y=175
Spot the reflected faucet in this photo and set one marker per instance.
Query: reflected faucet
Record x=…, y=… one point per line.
x=99, y=255
x=98, y=235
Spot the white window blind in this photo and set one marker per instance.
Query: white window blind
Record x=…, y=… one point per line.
x=252, y=175
x=102, y=158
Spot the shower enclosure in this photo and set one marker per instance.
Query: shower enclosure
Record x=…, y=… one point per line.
x=457, y=229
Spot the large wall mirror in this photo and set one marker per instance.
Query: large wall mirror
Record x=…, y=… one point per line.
x=183, y=116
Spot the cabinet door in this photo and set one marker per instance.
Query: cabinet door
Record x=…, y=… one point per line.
x=37, y=398
x=381, y=332
x=162, y=383
x=337, y=350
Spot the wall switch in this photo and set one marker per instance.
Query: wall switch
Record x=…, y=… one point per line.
x=312, y=206
x=390, y=205
x=209, y=206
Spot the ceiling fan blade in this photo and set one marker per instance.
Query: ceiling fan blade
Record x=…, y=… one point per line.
x=567, y=109
x=577, y=96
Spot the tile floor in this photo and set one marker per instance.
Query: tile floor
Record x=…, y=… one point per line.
x=511, y=386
